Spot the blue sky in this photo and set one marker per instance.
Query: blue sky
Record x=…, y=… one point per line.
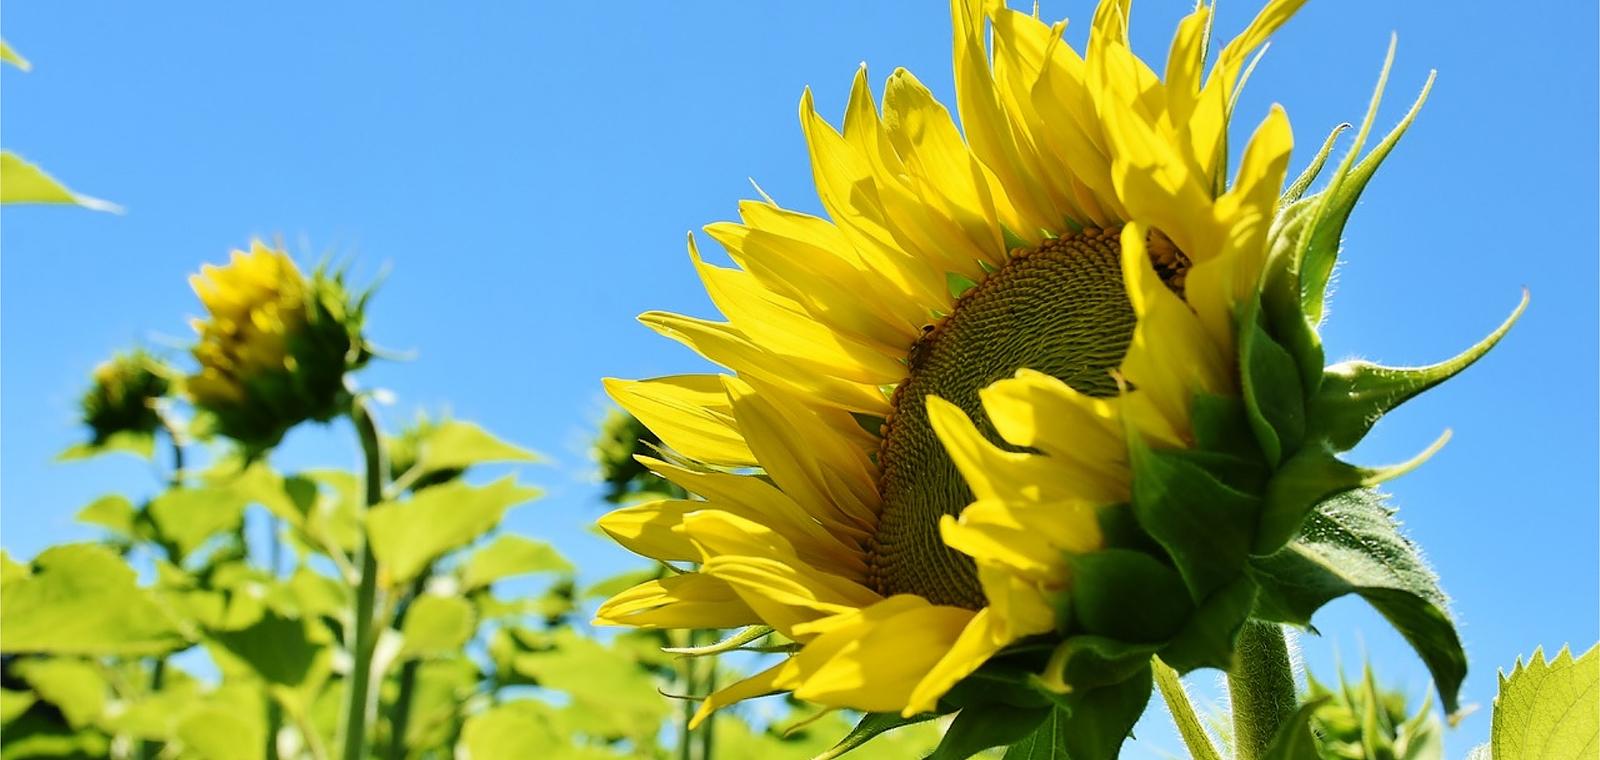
x=527, y=174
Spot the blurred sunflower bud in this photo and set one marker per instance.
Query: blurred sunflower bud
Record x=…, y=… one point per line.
x=275, y=346
x=621, y=440
x=124, y=396
x=1362, y=720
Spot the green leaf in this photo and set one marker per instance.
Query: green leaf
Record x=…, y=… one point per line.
x=1127, y=595
x=1548, y=710
x=981, y=726
x=1351, y=544
x=511, y=555
x=407, y=536
x=76, y=687
x=228, y=724
x=437, y=625
x=1204, y=525
x=14, y=703
x=869, y=727
x=186, y=518
x=610, y=688
x=8, y=55
x=136, y=442
x=1091, y=724
x=83, y=599
x=513, y=729
x=23, y=182
x=457, y=445
x=114, y=513
x=10, y=569
x=442, y=689
x=282, y=651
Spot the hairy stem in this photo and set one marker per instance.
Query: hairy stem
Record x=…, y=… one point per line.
x=364, y=639
x=1260, y=687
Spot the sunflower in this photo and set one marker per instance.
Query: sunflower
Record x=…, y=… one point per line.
x=125, y=396
x=1031, y=374
x=275, y=346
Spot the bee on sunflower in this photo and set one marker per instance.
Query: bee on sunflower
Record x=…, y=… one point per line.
x=1032, y=403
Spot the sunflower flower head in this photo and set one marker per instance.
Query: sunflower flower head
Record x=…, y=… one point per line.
x=124, y=397
x=274, y=347
x=1020, y=412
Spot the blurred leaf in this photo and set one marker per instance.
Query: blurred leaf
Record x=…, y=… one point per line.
x=335, y=518
x=228, y=725
x=8, y=55
x=83, y=599
x=510, y=555
x=1547, y=710
x=76, y=687
x=437, y=625
x=39, y=732
x=291, y=498
x=610, y=689
x=456, y=445
x=10, y=569
x=289, y=653
x=407, y=536
x=23, y=182
x=318, y=594
x=136, y=442
x=870, y=727
x=155, y=716
x=186, y=518
x=113, y=512
x=443, y=686
x=513, y=729
x=14, y=703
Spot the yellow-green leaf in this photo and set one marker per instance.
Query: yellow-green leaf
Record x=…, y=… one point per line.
x=76, y=687
x=114, y=513
x=511, y=555
x=407, y=536
x=1548, y=710
x=83, y=599
x=513, y=729
x=23, y=182
x=437, y=625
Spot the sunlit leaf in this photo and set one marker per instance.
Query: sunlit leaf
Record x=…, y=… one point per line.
x=437, y=625
x=511, y=555
x=114, y=513
x=83, y=599
x=513, y=729
x=1548, y=710
x=14, y=703
x=76, y=687
x=136, y=442
x=456, y=445
x=23, y=182
x=186, y=518
x=8, y=55
x=229, y=725
x=406, y=536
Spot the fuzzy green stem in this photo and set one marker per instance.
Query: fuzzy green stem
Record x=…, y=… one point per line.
x=400, y=711
x=364, y=639
x=1260, y=687
x=1183, y=714
x=708, y=729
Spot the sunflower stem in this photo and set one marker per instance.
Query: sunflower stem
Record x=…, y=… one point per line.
x=364, y=639
x=1260, y=688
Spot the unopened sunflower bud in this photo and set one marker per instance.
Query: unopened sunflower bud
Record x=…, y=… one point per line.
x=275, y=346
x=124, y=396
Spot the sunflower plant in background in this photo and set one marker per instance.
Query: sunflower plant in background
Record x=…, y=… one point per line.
x=1040, y=404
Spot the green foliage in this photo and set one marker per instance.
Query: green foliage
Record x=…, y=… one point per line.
x=436, y=626
x=83, y=599
x=1546, y=709
x=509, y=556
x=1358, y=721
x=1352, y=545
x=407, y=536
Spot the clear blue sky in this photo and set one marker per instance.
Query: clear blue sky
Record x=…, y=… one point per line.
x=529, y=173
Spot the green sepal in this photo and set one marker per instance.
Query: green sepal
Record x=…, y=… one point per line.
x=869, y=727
x=1311, y=477
x=1295, y=739
x=1303, y=182
x=1087, y=661
x=1355, y=394
x=1127, y=595
x=982, y=726
x=1320, y=246
x=1351, y=544
x=1280, y=293
x=1089, y=724
x=1006, y=680
x=1205, y=525
x=958, y=283
x=1273, y=396
x=1220, y=424
x=1208, y=637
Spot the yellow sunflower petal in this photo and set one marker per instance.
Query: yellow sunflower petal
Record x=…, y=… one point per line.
x=691, y=413
x=690, y=600
x=994, y=473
